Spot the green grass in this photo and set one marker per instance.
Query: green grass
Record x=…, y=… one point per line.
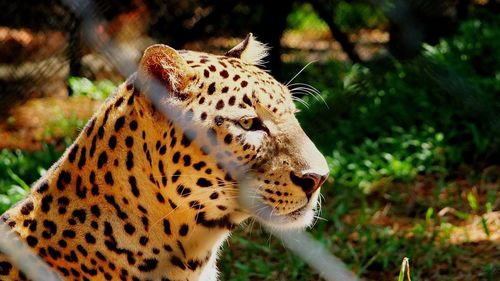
x=19, y=169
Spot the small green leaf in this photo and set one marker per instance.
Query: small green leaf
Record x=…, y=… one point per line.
x=428, y=215
x=471, y=198
x=18, y=180
x=485, y=227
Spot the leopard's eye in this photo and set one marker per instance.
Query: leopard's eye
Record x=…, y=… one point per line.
x=251, y=123
x=246, y=123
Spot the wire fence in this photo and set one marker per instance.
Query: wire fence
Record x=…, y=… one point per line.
x=302, y=244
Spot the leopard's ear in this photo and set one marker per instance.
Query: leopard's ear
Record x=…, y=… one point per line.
x=166, y=66
x=249, y=51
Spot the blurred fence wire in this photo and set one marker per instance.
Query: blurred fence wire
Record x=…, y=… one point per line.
x=302, y=244
x=23, y=257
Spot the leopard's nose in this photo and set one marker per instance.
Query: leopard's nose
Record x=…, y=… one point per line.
x=309, y=182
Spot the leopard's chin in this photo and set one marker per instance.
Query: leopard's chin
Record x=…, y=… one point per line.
x=297, y=219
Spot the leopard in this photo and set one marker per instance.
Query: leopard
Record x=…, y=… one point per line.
x=146, y=194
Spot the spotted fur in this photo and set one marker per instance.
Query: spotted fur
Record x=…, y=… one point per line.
x=143, y=196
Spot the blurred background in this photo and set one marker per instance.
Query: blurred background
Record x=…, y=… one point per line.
x=408, y=116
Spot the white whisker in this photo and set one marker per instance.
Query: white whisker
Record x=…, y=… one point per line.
x=309, y=91
x=304, y=103
x=300, y=72
x=303, y=85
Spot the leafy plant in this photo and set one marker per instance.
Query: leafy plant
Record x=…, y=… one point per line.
x=304, y=18
x=64, y=127
x=99, y=90
x=18, y=170
x=385, y=125
x=354, y=15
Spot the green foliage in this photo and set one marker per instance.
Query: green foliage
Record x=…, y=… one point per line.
x=18, y=170
x=354, y=15
x=349, y=16
x=304, y=18
x=382, y=126
x=99, y=90
x=267, y=267
x=67, y=128
x=61, y=126
x=428, y=115
x=400, y=156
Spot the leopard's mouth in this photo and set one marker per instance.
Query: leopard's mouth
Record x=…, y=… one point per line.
x=300, y=217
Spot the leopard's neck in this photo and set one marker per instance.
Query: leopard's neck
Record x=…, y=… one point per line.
x=126, y=197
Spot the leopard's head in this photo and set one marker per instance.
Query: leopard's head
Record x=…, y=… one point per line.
x=242, y=122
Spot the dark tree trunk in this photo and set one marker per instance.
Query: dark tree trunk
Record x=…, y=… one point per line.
x=326, y=13
x=271, y=28
x=74, y=51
